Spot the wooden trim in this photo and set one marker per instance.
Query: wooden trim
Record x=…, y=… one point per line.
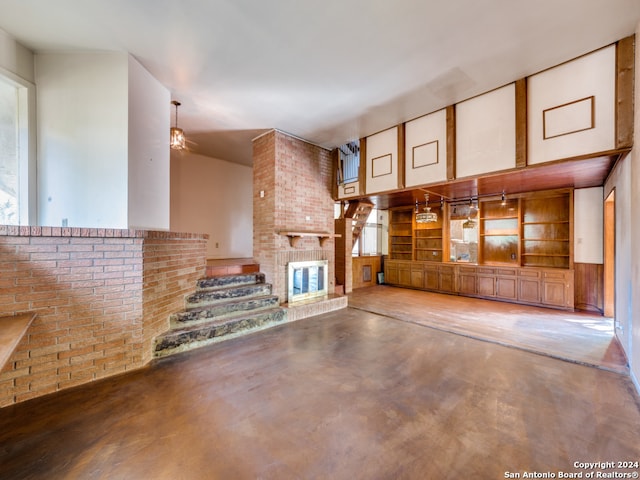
x=362, y=168
x=413, y=154
x=624, y=91
x=608, y=306
x=336, y=167
x=521, y=123
x=451, y=142
x=591, y=126
x=373, y=165
x=401, y=156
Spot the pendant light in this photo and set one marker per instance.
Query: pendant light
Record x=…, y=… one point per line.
x=177, y=140
x=427, y=216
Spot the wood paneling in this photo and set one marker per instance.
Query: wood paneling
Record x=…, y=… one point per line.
x=589, y=290
x=578, y=173
x=365, y=271
x=521, y=123
x=451, y=142
x=624, y=92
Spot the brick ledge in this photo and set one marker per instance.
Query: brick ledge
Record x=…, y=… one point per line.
x=31, y=231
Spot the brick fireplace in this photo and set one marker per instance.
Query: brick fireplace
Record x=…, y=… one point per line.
x=292, y=193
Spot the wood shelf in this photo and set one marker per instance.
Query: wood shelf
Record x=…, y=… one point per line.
x=12, y=329
x=294, y=237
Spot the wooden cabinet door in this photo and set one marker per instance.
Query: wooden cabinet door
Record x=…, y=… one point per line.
x=529, y=290
x=404, y=275
x=431, y=277
x=417, y=277
x=486, y=285
x=447, y=279
x=506, y=288
x=554, y=293
x=467, y=281
x=391, y=274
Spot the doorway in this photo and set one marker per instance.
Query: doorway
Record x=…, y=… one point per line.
x=609, y=254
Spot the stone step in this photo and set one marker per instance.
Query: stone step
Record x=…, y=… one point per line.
x=226, y=281
x=223, y=310
x=204, y=298
x=182, y=339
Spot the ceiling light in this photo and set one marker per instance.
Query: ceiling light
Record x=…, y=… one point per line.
x=427, y=216
x=177, y=140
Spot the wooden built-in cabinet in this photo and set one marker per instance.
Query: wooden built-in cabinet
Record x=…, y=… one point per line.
x=528, y=285
x=546, y=231
x=499, y=232
x=524, y=251
x=401, y=234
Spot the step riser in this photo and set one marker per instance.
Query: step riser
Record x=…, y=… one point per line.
x=179, y=341
x=226, y=281
x=223, y=310
x=205, y=298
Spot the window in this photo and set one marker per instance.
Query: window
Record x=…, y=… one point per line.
x=15, y=152
x=370, y=239
x=9, y=171
x=349, y=162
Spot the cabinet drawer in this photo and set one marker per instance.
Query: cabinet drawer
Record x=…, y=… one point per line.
x=529, y=273
x=551, y=275
x=467, y=270
x=486, y=271
x=506, y=272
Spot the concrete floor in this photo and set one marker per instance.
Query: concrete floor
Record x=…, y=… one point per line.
x=345, y=395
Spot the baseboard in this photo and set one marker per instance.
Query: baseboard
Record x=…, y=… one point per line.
x=635, y=381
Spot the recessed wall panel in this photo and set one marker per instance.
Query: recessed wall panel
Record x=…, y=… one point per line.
x=571, y=108
x=348, y=190
x=382, y=161
x=426, y=149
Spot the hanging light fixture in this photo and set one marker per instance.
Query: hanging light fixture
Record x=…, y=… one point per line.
x=177, y=140
x=427, y=216
x=470, y=223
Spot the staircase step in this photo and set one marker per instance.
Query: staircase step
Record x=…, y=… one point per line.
x=204, y=298
x=224, y=309
x=225, y=281
x=228, y=266
x=195, y=336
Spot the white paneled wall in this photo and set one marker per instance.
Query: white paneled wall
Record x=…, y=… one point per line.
x=382, y=161
x=486, y=133
x=426, y=149
x=571, y=108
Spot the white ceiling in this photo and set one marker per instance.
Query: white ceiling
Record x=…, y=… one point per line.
x=328, y=71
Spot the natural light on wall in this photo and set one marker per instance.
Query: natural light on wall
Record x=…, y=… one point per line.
x=9, y=155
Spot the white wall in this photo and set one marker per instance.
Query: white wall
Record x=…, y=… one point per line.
x=149, y=121
x=625, y=179
x=82, y=139
x=15, y=58
x=486, y=132
x=588, y=215
x=632, y=253
x=213, y=196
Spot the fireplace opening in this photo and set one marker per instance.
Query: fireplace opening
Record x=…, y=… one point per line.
x=307, y=280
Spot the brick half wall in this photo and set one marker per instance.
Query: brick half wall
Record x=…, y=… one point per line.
x=100, y=295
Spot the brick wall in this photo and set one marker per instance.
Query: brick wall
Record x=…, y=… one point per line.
x=295, y=177
x=100, y=295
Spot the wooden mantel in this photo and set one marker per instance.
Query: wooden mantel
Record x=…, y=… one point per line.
x=294, y=237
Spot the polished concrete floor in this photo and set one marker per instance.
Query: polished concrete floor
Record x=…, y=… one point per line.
x=580, y=337
x=345, y=395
